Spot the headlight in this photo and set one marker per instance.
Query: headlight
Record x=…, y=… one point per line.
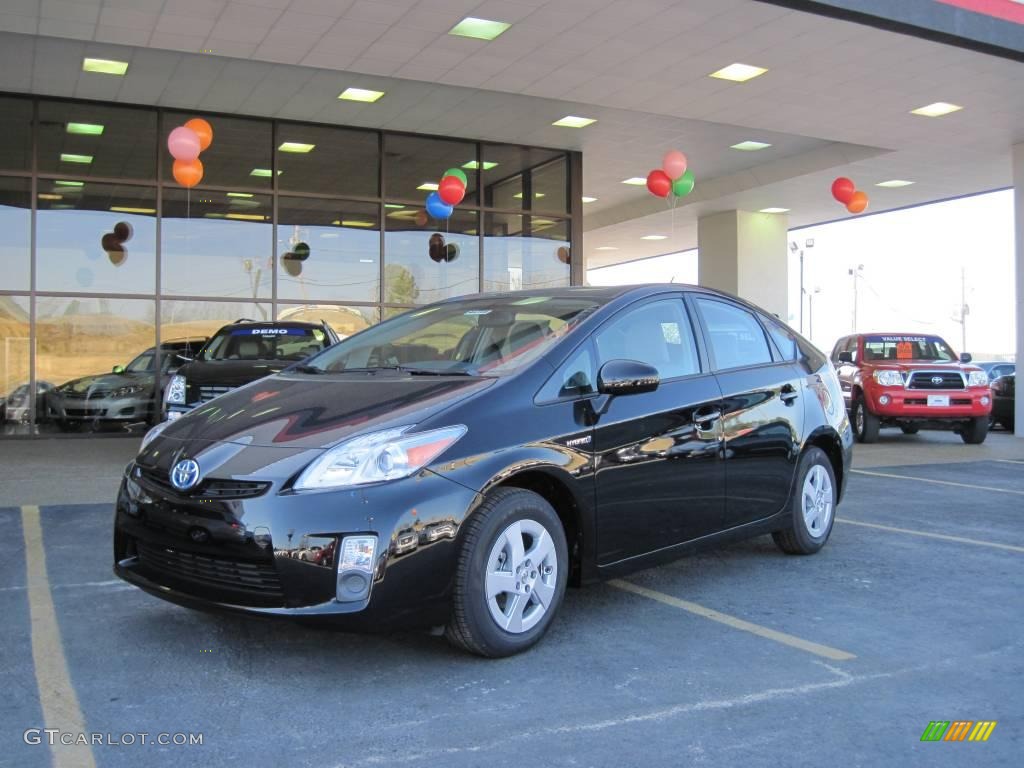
x=889, y=378
x=131, y=389
x=152, y=434
x=176, y=390
x=977, y=379
x=387, y=455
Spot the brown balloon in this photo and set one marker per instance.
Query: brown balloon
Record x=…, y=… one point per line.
x=291, y=265
x=436, y=248
x=116, y=252
x=563, y=254
x=123, y=231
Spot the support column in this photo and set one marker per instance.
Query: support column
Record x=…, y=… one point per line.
x=1018, y=210
x=745, y=254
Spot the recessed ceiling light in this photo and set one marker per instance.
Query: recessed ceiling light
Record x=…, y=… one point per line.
x=738, y=73
x=239, y=194
x=85, y=129
x=360, y=94
x=246, y=216
x=357, y=223
x=635, y=181
x=47, y=196
x=654, y=237
x=606, y=248
x=394, y=205
x=750, y=146
x=213, y=215
x=127, y=209
x=242, y=203
x=938, y=109
x=481, y=29
x=367, y=261
x=264, y=173
x=519, y=195
x=588, y=199
x=572, y=121
x=296, y=146
x=893, y=183
x=68, y=158
x=105, y=66
x=61, y=183
x=774, y=210
x=472, y=165
x=428, y=186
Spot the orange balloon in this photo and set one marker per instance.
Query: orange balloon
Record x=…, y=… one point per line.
x=203, y=130
x=858, y=203
x=188, y=173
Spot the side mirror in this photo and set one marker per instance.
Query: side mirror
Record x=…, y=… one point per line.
x=627, y=377
x=846, y=357
x=117, y=369
x=965, y=358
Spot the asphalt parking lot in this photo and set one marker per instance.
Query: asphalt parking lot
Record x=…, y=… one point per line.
x=743, y=656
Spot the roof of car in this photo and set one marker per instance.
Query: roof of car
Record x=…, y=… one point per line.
x=596, y=292
x=273, y=324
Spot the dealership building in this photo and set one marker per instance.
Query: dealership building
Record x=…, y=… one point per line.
x=333, y=120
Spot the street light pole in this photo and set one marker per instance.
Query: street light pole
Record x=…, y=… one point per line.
x=810, y=312
x=855, y=273
x=808, y=243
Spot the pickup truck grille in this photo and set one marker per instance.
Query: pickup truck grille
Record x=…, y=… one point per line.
x=935, y=380
x=208, y=393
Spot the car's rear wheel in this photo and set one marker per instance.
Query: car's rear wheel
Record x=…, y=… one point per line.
x=865, y=423
x=975, y=431
x=813, y=506
x=511, y=574
x=910, y=429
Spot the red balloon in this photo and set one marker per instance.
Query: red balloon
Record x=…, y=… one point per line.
x=858, y=203
x=843, y=190
x=451, y=190
x=658, y=183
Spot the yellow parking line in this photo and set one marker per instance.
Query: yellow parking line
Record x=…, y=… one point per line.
x=926, y=534
x=939, y=482
x=56, y=694
x=834, y=654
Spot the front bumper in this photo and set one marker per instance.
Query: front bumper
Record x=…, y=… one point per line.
x=99, y=409
x=912, y=404
x=275, y=554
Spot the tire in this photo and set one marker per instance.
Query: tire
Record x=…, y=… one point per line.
x=487, y=546
x=975, y=432
x=813, y=506
x=865, y=423
x=910, y=430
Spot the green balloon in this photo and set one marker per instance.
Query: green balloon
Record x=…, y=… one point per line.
x=683, y=186
x=458, y=174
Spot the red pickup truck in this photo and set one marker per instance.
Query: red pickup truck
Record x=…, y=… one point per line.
x=911, y=381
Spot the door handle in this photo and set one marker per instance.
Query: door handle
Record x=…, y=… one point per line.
x=704, y=418
x=788, y=394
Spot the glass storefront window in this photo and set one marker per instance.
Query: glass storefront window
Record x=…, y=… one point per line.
x=430, y=261
x=15, y=233
x=345, y=321
x=214, y=244
x=524, y=178
x=15, y=395
x=95, y=237
x=328, y=249
x=96, y=140
x=239, y=156
x=331, y=161
x=413, y=164
x=522, y=252
x=83, y=349
x=199, y=320
x=16, y=129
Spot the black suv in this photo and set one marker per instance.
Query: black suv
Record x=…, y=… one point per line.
x=240, y=353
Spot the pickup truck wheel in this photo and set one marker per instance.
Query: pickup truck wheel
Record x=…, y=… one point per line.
x=813, y=506
x=975, y=431
x=865, y=423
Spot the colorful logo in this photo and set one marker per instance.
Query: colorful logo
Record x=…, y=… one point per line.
x=958, y=730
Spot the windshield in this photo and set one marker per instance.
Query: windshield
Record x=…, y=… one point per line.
x=491, y=336
x=930, y=348
x=291, y=344
x=142, y=363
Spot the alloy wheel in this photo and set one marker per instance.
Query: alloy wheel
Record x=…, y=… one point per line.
x=816, y=501
x=521, y=576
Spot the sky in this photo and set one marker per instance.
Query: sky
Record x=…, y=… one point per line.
x=911, y=280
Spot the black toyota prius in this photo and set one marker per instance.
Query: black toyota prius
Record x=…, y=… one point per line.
x=460, y=464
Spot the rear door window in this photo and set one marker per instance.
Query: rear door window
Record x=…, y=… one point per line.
x=736, y=338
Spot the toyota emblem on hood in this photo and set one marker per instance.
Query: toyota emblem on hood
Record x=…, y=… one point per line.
x=185, y=474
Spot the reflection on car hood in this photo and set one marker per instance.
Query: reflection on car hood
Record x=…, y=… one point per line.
x=296, y=411
x=229, y=373
x=105, y=382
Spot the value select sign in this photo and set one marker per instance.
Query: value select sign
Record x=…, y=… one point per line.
x=1008, y=10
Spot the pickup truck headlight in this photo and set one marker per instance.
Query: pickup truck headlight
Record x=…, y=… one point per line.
x=387, y=455
x=176, y=390
x=977, y=379
x=889, y=378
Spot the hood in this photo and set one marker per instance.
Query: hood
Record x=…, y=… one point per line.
x=302, y=411
x=229, y=373
x=102, y=383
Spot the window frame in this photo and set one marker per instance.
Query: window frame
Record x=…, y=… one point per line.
x=694, y=296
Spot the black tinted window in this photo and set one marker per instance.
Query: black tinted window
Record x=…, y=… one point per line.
x=735, y=336
x=658, y=334
x=574, y=378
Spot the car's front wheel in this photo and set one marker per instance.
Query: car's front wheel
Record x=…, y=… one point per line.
x=865, y=423
x=813, y=506
x=975, y=431
x=511, y=574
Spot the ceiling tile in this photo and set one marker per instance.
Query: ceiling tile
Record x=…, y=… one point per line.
x=198, y=9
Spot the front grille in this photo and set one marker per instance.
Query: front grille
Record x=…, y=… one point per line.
x=211, y=488
x=97, y=393
x=260, y=579
x=943, y=380
x=208, y=393
x=85, y=412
